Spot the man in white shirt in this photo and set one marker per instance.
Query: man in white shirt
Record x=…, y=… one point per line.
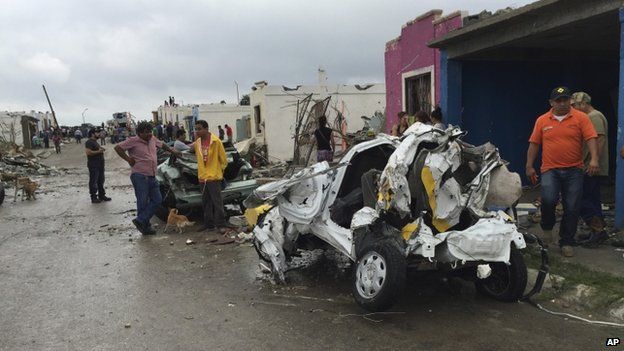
x=179, y=144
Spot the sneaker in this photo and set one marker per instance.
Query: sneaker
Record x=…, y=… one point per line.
x=95, y=200
x=567, y=251
x=139, y=226
x=104, y=198
x=595, y=239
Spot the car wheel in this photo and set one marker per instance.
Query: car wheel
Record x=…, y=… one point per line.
x=379, y=275
x=1, y=193
x=168, y=201
x=506, y=282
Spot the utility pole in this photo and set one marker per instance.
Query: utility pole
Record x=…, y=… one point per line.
x=51, y=109
x=237, y=97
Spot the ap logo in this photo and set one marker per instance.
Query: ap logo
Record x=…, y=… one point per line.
x=613, y=342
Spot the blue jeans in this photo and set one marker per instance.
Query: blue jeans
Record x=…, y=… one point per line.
x=569, y=183
x=147, y=192
x=590, y=204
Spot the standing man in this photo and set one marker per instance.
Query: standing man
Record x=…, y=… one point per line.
x=211, y=161
x=56, y=139
x=46, y=138
x=228, y=132
x=561, y=132
x=591, y=206
x=169, y=132
x=221, y=133
x=160, y=131
x=102, y=136
x=141, y=156
x=95, y=163
x=78, y=135
x=180, y=143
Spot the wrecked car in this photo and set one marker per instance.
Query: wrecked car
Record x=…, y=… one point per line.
x=427, y=201
x=180, y=188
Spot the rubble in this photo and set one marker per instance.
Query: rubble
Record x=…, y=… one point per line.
x=16, y=162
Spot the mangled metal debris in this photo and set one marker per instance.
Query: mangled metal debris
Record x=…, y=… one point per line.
x=427, y=197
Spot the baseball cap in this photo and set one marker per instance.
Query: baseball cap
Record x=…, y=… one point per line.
x=581, y=97
x=560, y=92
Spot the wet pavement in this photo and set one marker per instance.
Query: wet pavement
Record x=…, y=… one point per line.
x=78, y=276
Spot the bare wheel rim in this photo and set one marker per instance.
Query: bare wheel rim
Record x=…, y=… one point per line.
x=499, y=280
x=371, y=275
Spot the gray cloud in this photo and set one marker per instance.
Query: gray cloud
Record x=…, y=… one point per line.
x=130, y=55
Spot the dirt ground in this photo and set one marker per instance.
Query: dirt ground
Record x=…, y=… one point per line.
x=78, y=276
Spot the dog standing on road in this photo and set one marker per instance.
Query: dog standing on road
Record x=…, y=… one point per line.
x=27, y=186
x=179, y=221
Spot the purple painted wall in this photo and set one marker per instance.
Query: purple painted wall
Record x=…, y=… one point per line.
x=409, y=52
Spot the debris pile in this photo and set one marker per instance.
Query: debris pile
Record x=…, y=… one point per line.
x=271, y=171
x=16, y=162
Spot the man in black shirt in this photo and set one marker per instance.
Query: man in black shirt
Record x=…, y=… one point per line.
x=95, y=163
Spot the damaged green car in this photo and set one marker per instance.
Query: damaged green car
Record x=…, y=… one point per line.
x=180, y=187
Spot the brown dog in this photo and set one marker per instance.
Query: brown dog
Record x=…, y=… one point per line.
x=27, y=186
x=176, y=220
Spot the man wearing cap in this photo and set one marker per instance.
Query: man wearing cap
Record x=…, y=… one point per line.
x=591, y=207
x=561, y=133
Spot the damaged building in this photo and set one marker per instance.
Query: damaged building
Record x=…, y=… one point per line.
x=20, y=127
x=216, y=114
x=496, y=71
x=274, y=110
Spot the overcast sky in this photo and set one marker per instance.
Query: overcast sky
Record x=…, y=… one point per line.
x=111, y=55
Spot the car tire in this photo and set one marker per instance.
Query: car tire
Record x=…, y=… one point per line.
x=379, y=275
x=506, y=282
x=1, y=193
x=168, y=201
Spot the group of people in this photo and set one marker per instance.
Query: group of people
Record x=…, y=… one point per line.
x=227, y=132
x=325, y=144
x=167, y=132
x=44, y=137
x=572, y=136
x=140, y=152
x=434, y=118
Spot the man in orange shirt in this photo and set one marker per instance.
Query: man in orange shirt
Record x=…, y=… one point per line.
x=561, y=133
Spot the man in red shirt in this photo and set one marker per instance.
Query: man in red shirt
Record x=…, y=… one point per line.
x=228, y=132
x=561, y=133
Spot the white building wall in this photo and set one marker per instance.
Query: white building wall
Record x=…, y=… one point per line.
x=222, y=114
x=7, y=119
x=174, y=114
x=279, y=107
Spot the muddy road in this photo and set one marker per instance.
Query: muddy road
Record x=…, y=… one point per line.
x=78, y=276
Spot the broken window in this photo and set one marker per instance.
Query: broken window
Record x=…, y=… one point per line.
x=257, y=119
x=418, y=94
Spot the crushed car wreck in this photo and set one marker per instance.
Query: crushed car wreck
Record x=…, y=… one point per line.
x=427, y=200
x=180, y=188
